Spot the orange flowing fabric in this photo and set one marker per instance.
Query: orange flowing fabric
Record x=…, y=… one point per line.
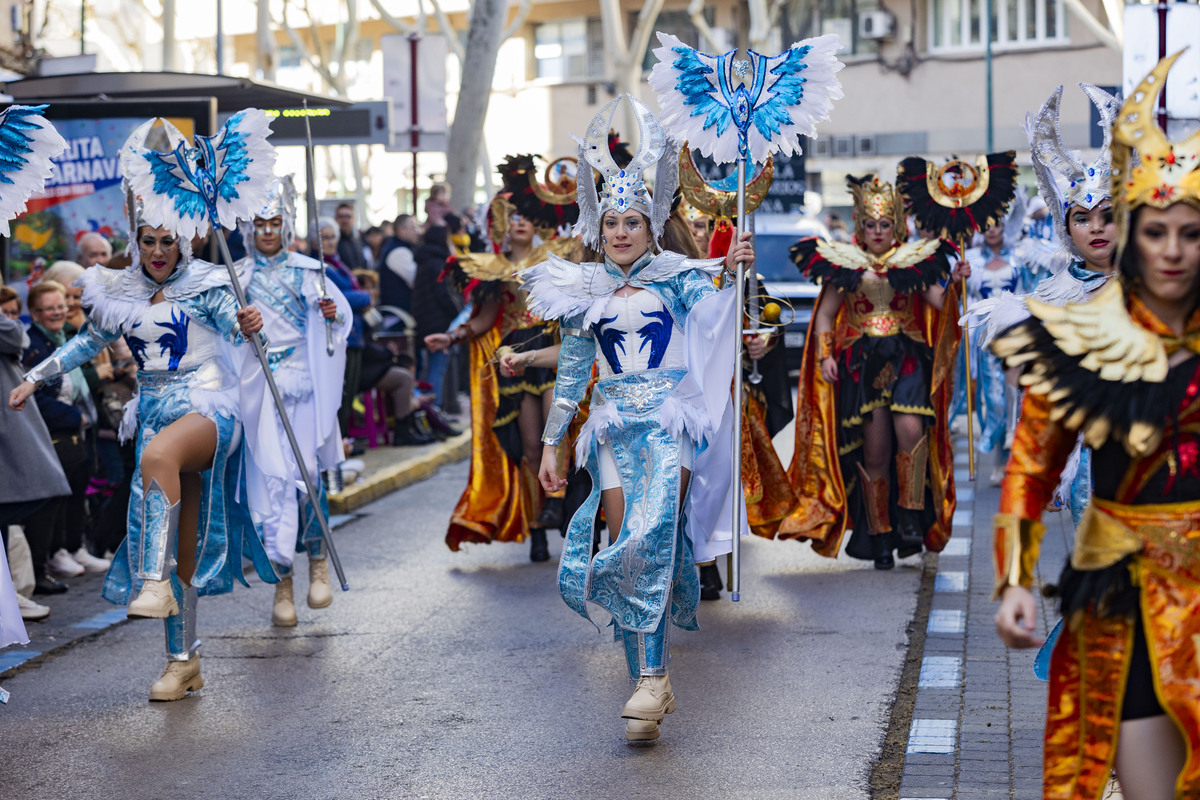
x=821, y=514
x=492, y=507
x=769, y=494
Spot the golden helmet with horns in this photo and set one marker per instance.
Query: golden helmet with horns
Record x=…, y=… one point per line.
x=1164, y=172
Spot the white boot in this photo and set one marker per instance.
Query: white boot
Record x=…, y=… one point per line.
x=651, y=700
x=179, y=678
x=283, y=615
x=155, y=601
x=320, y=593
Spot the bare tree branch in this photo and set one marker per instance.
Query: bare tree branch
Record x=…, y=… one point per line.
x=517, y=21
x=1094, y=25
x=400, y=25
x=696, y=12
x=443, y=22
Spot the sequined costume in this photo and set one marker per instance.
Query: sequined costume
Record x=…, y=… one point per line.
x=286, y=288
x=1135, y=563
x=1111, y=371
x=893, y=351
x=187, y=363
x=503, y=499
x=652, y=407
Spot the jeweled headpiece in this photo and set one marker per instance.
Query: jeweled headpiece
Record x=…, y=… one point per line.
x=1064, y=178
x=1166, y=172
x=875, y=199
x=624, y=188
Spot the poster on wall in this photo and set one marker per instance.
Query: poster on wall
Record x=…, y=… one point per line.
x=83, y=195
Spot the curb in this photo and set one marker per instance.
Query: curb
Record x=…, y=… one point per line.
x=389, y=479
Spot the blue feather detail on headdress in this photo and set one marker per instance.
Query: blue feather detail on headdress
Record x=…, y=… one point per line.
x=27, y=143
x=223, y=178
x=781, y=98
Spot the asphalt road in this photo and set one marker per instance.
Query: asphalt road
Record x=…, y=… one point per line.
x=464, y=675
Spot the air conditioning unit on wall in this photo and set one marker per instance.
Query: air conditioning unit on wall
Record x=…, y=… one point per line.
x=876, y=25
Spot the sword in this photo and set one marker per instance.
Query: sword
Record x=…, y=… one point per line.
x=314, y=232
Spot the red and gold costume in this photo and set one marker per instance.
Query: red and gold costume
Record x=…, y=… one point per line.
x=1130, y=596
x=503, y=498
x=767, y=408
x=893, y=350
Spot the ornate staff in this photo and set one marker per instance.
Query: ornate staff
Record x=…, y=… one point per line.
x=314, y=229
x=954, y=201
x=190, y=190
x=741, y=111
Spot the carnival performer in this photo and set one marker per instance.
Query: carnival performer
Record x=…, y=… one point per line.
x=1123, y=369
x=766, y=386
x=297, y=308
x=1078, y=196
x=182, y=322
x=650, y=321
x=998, y=265
x=872, y=441
x=503, y=500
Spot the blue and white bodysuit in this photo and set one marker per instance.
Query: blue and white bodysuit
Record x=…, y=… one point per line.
x=187, y=363
x=285, y=289
x=661, y=404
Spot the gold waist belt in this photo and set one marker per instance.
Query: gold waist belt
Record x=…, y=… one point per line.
x=1110, y=531
x=878, y=324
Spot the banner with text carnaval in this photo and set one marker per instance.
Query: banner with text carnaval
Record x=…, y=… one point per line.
x=83, y=195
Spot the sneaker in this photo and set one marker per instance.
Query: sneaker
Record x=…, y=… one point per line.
x=89, y=562
x=31, y=611
x=63, y=566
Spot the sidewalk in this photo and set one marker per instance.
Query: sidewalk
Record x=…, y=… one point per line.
x=979, y=711
x=82, y=613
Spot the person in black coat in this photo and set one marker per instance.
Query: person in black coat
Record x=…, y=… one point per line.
x=433, y=305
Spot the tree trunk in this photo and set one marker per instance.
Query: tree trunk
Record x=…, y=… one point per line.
x=486, y=25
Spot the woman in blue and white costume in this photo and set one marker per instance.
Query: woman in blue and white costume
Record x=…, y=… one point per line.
x=188, y=528
x=661, y=413
x=1078, y=194
x=998, y=265
x=286, y=288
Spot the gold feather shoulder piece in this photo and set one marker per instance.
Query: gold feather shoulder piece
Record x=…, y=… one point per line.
x=845, y=255
x=1102, y=332
x=1104, y=374
x=487, y=266
x=910, y=254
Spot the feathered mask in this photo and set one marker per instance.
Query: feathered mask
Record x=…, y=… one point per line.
x=624, y=188
x=1064, y=178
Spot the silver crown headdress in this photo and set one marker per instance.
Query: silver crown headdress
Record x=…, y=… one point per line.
x=1064, y=177
x=280, y=202
x=625, y=187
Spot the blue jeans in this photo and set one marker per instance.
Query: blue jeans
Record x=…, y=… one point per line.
x=436, y=374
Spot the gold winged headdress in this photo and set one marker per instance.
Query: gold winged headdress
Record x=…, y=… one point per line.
x=1164, y=172
x=876, y=199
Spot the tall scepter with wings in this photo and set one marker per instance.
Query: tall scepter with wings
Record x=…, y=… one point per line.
x=742, y=111
x=954, y=201
x=192, y=190
x=27, y=143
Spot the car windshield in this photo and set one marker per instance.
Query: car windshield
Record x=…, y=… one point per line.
x=772, y=259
